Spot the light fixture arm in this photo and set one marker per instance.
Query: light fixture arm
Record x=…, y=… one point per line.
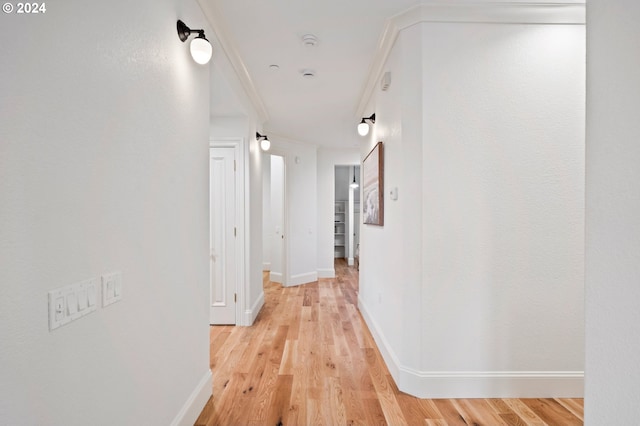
x=372, y=119
x=184, y=32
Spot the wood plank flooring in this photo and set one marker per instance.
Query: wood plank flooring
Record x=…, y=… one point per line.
x=309, y=359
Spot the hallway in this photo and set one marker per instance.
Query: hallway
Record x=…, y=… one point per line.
x=310, y=359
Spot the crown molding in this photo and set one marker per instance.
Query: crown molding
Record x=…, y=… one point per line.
x=232, y=54
x=488, y=13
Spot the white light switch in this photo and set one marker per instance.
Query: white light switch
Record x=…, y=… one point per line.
x=59, y=308
x=91, y=294
x=72, y=304
x=82, y=299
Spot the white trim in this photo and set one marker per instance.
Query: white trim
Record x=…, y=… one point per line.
x=266, y=266
x=326, y=273
x=250, y=315
x=474, y=384
x=493, y=13
x=276, y=277
x=307, y=277
x=350, y=261
x=193, y=406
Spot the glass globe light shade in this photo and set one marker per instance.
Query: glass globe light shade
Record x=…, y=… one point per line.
x=201, y=50
x=363, y=128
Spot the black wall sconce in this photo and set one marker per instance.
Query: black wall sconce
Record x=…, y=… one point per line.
x=265, y=144
x=200, y=47
x=363, y=127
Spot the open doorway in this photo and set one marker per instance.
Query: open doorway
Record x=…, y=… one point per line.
x=347, y=213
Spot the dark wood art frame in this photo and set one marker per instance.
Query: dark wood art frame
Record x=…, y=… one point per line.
x=373, y=186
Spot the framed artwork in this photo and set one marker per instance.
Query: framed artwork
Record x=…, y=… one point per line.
x=373, y=187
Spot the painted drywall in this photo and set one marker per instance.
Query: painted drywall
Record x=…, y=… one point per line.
x=267, y=239
x=253, y=219
x=276, y=214
x=103, y=166
x=327, y=160
x=301, y=212
x=483, y=128
x=612, y=228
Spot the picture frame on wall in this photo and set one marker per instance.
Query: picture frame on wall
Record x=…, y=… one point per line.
x=373, y=186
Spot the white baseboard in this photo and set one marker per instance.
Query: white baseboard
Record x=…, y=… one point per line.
x=350, y=261
x=326, y=273
x=195, y=403
x=276, y=277
x=250, y=315
x=305, y=278
x=475, y=384
x=266, y=266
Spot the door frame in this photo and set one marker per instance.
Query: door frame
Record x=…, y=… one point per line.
x=238, y=144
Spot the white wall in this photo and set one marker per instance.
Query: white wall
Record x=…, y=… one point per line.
x=327, y=160
x=253, y=239
x=483, y=131
x=300, y=187
x=342, y=180
x=276, y=228
x=612, y=234
x=103, y=166
x=267, y=238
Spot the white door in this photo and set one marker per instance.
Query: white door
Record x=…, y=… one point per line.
x=222, y=207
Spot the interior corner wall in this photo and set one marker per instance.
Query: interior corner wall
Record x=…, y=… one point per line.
x=613, y=208
x=499, y=199
x=327, y=160
x=104, y=167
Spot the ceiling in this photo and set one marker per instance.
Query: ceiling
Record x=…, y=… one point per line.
x=319, y=110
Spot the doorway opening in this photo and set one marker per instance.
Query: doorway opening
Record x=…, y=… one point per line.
x=347, y=214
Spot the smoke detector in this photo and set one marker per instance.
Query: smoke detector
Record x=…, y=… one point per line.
x=309, y=74
x=309, y=40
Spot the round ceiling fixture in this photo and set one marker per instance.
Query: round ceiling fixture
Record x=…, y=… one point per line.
x=309, y=40
x=274, y=67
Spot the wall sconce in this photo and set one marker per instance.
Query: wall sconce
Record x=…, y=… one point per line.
x=200, y=47
x=265, y=144
x=363, y=127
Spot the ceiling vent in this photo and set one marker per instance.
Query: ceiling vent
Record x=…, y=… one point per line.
x=309, y=40
x=308, y=74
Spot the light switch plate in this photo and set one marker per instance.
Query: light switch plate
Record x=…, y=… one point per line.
x=70, y=302
x=111, y=288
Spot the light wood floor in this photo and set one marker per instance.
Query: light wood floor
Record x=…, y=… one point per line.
x=310, y=360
